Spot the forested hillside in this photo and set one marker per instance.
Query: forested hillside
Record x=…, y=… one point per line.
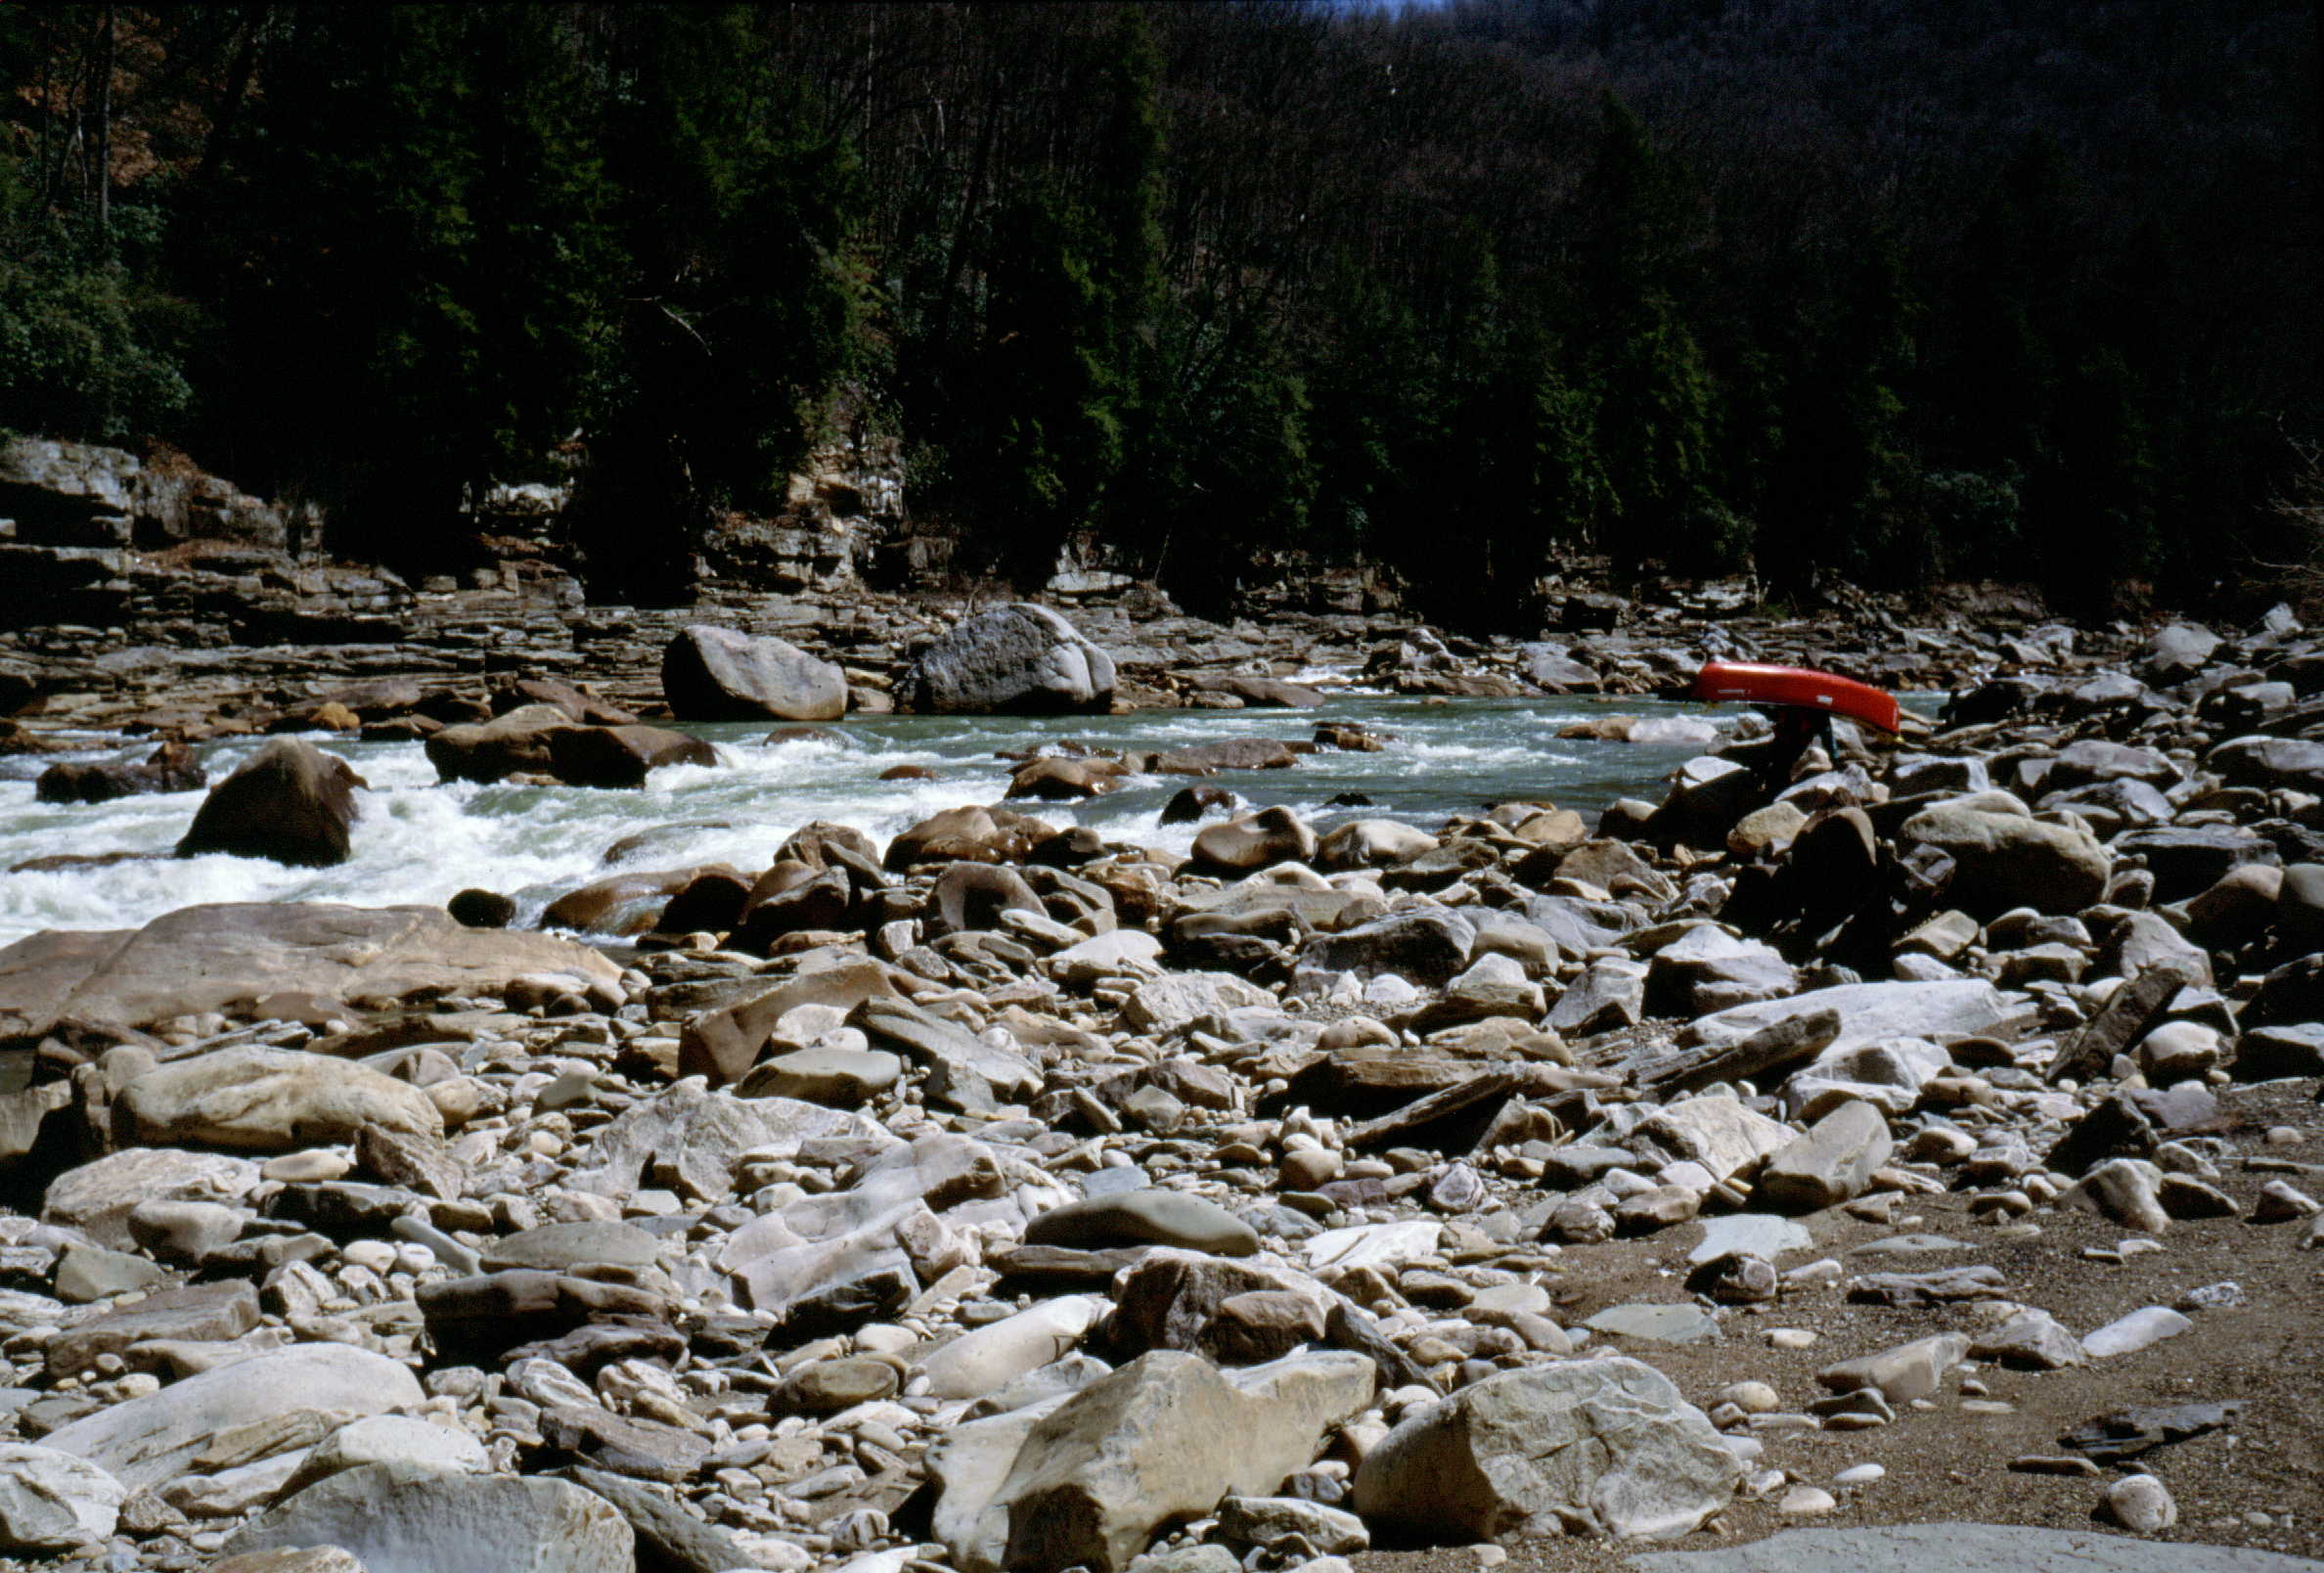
x=1899, y=289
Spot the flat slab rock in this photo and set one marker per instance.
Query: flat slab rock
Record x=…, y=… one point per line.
x=203, y=958
x=1868, y=1012
x=1967, y=1548
x=1656, y=1324
x=1759, y=1234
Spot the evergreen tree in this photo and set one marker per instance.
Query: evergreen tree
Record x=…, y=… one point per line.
x=743, y=306
x=1371, y=414
x=1649, y=381
x=416, y=302
x=1838, y=497
x=2090, y=496
x=1655, y=413
x=1227, y=474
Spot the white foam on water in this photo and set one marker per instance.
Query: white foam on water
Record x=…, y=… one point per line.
x=421, y=841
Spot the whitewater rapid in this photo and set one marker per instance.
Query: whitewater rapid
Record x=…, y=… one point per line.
x=421, y=840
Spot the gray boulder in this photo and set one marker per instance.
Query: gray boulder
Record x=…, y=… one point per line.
x=1610, y=993
x=1151, y=1216
x=1966, y=1548
x=1236, y=1312
x=100, y=1195
x=1599, y=1446
x=1707, y=969
x=716, y=674
x=1089, y=1480
x=691, y=1138
x=514, y=742
x=2270, y=762
x=1254, y=841
x=2179, y=650
x=2002, y=861
x=259, y=1099
x=1903, y=1374
x=1830, y=1164
x=621, y=756
x=1868, y=1012
x=1017, y=660
x=1425, y=947
x=209, y=957
x=51, y=1501
x=406, y=1518
x=150, y=1441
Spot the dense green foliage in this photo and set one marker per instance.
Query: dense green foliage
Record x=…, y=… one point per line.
x=1896, y=289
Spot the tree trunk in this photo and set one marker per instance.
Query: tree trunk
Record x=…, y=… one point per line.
x=230, y=98
x=105, y=76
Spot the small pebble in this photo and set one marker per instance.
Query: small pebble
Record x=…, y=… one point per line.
x=1806, y=1502
x=1859, y=1474
x=1790, y=1337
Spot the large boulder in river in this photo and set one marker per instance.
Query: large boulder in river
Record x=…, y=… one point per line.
x=1017, y=660
x=716, y=674
x=516, y=742
x=2004, y=860
x=970, y=834
x=625, y=904
x=170, y=768
x=291, y=802
x=209, y=958
x=621, y=756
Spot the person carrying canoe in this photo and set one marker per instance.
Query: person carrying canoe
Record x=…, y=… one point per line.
x=1800, y=701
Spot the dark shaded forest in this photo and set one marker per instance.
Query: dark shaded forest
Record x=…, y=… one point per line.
x=1894, y=290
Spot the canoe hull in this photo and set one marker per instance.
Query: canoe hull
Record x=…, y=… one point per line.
x=1753, y=683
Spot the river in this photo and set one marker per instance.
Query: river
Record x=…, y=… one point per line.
x=421, y=841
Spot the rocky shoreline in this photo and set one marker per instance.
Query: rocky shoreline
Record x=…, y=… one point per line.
x=1936, y=1140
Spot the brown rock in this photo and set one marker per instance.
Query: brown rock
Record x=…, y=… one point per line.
x=723, y=1045
x=170, y=768
x=1055, y=778
x=515, y=743
x=1228, y=753
x=620, y=757
x=578, y=703
x=1255, y=841
x=291, y=802
x=624, y=905
x=966, y=835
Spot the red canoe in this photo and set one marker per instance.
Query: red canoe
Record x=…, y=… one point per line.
x=1750, y=683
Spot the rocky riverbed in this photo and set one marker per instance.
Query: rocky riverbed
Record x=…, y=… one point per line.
x=1933, y=1139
